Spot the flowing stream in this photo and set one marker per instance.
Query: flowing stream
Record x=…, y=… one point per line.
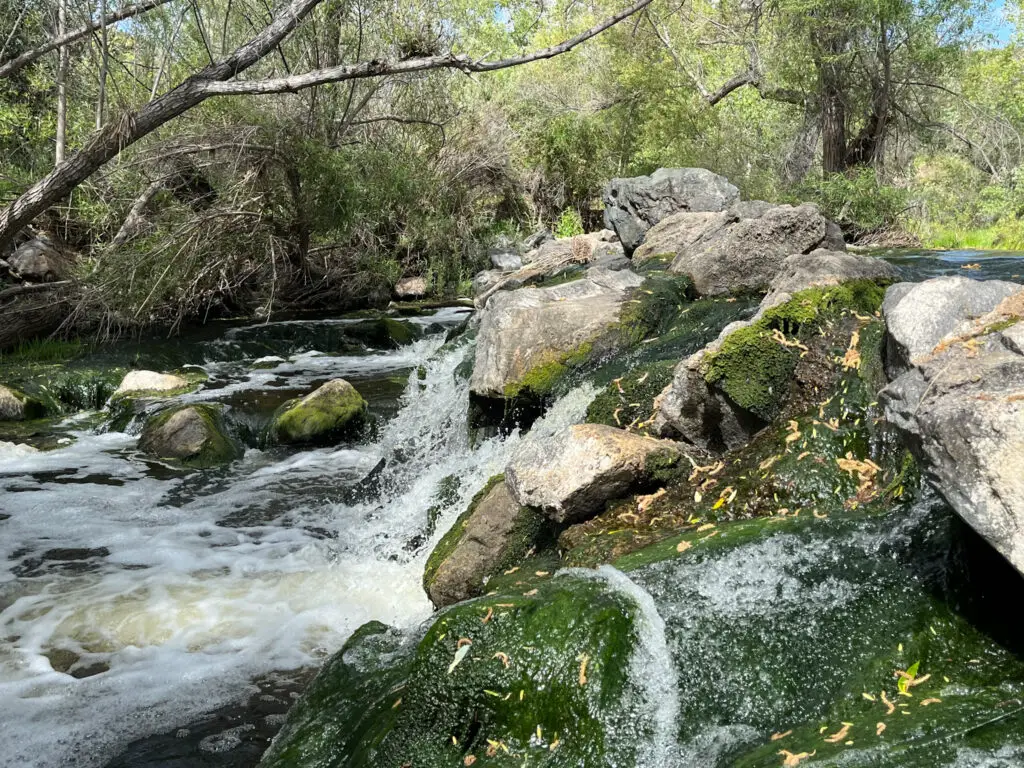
x=136, y=598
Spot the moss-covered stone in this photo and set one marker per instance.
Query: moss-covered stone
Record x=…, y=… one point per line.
x=628, y=401
x=493, y=535
x=17, y=406
x=540, y=380
x=542, y=679
x=195, y=435
x=325, y=415
x=833, y=457
x=754, y=365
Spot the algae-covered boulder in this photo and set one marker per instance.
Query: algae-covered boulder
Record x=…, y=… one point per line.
x=822, y=268
x=725, y=393
x=632, y=206
x=747, y=254
x=193, y=434
x=570, y=474
x=16, y=406
x=137, y=383
x=324, y=415
x=557, y=677
x=528, y=337
x=492, y=535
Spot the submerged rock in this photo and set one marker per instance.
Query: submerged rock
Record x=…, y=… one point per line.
x=16, y=406
x=554, y=677
x=137, y=383
x=634, y=205
x=527, y=337
x=321, y=416
x=492, y=535
x=193, y=434
x=959, y=400
x=571, y=474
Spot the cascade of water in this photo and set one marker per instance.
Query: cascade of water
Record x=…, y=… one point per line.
x=185, y=588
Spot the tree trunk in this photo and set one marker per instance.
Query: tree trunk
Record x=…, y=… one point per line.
x=62, y=85
x=110, y=140
x=833, y=118
x=101, y=96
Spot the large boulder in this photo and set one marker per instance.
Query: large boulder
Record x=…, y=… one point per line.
x=38, y=261
x=528, y=336
x=822, y=268
x=918, y=316
x=571, y=474
x=634, y=205
x=411, y=288
x=678, y=232
x=194, y=435
x=958, y=398
x=725, y=393
x=16, y=406
x=746, y=255
x=492, y=535
x=321, y=416
x=137, y=383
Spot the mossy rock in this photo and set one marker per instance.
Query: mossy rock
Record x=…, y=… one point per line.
x=628, y=401
x=542, y=678
x=494, y=534
x=385, y=332
x=194, y=435
x=329, y=413
x=754, y=365
x=17, y=406
x=835, y=456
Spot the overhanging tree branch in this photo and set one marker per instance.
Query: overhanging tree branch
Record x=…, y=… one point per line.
x=109, y=141
x=11, y=66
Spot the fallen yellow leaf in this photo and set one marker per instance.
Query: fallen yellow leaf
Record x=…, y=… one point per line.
x=790, y=759
x=839, y=735
x=682, y=546
x=584, y=660
x=777, y=736
x=879, y=729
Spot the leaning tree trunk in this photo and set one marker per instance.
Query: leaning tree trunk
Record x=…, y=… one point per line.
x=115, y=136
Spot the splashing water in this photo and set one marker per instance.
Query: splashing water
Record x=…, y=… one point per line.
x=181, y=589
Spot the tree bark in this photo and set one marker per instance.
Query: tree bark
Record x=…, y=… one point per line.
x=62, y=84
x=833, y=109
x=109, y=141
x=21, y=61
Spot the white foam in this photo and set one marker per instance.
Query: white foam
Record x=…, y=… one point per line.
x=212, y=579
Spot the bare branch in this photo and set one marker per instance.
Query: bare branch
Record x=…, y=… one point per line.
x=11, y=66
x=379, y=67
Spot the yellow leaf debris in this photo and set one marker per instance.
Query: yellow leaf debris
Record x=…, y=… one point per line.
x=777, y=736
x=790, y=759
x=503, y=657
x=839, y=735
x=879, y=729
x=584, y=660
x=682, y=546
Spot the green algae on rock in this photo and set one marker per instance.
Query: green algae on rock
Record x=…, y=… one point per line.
x=16, y=406
x=494, y=534
x=322, y=416
x=548, y=677
x=195, y=435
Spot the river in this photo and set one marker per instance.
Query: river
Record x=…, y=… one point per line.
x=137, y=598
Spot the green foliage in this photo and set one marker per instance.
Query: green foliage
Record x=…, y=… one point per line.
x=569, y=224
x=858, y=201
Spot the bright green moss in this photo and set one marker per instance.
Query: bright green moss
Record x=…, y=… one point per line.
x=326, y=415
x=548, y=668
x=754, y=368
x=540, y=380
